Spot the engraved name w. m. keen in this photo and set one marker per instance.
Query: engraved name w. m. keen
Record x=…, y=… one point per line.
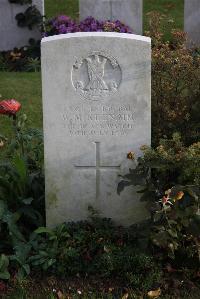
x=96, y=76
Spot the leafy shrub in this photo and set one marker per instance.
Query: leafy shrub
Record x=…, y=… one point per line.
x=23, y=59
x=170, y=178
x=14, y=60
x=21, y=186
x=4, y=262
x=175, y=85
x=33, y=65
x=95, y=247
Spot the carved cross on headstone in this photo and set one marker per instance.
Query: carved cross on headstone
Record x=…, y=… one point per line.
x=98, y=168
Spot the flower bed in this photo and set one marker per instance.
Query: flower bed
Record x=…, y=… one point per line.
x=64, y=24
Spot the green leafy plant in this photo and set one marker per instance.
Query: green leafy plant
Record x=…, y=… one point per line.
x=94, y=247
x=170, y=178
x=3, y=64
x=21, y=172
x=175, y=84
x=21, y=187
x=176, y=228
x=22, y=59
x=4, y=263
x=33, y=65
x=20, y=259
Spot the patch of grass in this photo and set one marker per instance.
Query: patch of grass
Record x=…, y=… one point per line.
x=172, y=8
x=57, y=7
x=25, y=88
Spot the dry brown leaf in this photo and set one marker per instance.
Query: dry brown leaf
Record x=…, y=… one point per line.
x=170, y=269
x=154, y=294
x=125, y=296
x=100, y=240
x=1, y=143
x=106, y=249
x=131, y=156
x=60, y=295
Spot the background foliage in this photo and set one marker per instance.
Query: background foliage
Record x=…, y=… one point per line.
x=175, y=84
x=169, y=177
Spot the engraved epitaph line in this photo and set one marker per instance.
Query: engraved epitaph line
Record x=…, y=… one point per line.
x=98, y=168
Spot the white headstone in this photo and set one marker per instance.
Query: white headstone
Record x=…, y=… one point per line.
x=96, y=108
x=11, y=35
x=192, y=21
x=129, y=12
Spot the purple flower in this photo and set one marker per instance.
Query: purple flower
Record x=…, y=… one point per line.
x=44, y=34
x=62, y=29
x=123, y=30
x=63, y=19
x=64, y=24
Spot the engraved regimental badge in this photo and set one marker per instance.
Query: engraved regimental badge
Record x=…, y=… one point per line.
x=96, y=76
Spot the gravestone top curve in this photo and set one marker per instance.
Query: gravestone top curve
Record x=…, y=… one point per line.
x=96, y=34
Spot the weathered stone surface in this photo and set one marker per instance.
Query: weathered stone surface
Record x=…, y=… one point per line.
x=129, y=12
x=12, y=35
x=192, y=21
x=96, y=107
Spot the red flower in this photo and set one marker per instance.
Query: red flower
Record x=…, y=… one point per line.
x=9, y=107
x=165, y=200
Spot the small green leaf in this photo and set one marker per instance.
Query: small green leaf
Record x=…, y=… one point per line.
x=28, y=201
x=42, y=230
x=172, y=233
x=26, y=268
x=2, y=208
x=5, y=275
x=21, y=167
x=148, y=196
x=4, y=261
x=122, y=185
